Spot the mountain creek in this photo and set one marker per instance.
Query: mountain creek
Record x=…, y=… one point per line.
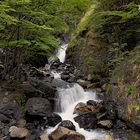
x=70, y=70
x=58, y=106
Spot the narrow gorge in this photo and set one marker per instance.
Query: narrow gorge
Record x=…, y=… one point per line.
x=70, y=70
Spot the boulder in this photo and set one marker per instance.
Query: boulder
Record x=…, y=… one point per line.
x=53, y=119
x=65, y=77
x=87, y=120
x=44, y=136
x=105, y=124
x=39, y=88
x=38, y=106
x=83, y=108
x=67, y=124
x=37, y=123
x=18, y=132
x=62, y=133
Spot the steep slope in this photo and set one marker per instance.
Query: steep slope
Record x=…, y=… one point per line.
x=106, y=50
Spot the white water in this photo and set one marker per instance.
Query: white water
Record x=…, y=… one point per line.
x=61, y=54
x=68, y=98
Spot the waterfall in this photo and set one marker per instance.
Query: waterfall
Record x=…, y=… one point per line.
x=61, y=53
x=69, y=97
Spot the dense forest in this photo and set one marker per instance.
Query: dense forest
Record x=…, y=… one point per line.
x=100, y=40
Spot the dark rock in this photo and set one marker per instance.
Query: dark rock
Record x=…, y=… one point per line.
x=38, y=106
x=61, y=84
x=36, y=124
x=91, y=102
x=30, y=91
x=32, y=137
x=87, y=120
x=10, y=113
x=65, y=77
x=67, y=124
x=53, y=119
x=55, y=63
x=111, y=112
x=39, y=88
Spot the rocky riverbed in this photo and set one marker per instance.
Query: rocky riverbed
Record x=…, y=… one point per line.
x=27, y=108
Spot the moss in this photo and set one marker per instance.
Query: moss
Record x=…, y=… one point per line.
x=21, y=99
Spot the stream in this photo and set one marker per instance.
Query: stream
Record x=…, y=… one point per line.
x=69, y=97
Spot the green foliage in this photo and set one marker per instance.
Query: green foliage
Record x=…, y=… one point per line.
x=21, y=100
x=33, y=26
x=118, y=22
x=131, y=90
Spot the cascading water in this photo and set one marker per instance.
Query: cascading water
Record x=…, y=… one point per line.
x=61, y=54
x=69, y=97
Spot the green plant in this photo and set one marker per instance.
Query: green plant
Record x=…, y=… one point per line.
x=131, y=90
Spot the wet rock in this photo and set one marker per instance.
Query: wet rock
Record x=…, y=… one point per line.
x=67, y=124
x=18, y=132
x=105, y=124
x=65, y=77
x=37, y=123
x=87, y=120
x=62, y=133
x=53, y=119
x=83, y=108
x=61, y=84
x=38, y=106
x=55, y=63
x=91, y=102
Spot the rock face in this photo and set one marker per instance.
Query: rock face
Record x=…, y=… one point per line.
x=125, y=92
x=67, y=124
x=87, y=120
x=62, y=133
x=38, y=106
